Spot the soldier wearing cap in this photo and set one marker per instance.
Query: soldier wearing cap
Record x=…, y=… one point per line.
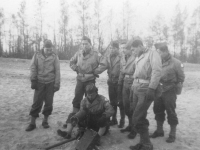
x=45, y=80
x=95, y=111
x=148, y=67
x=84, y=62
x=125, y=82
x=111, y=63
x=171, y=79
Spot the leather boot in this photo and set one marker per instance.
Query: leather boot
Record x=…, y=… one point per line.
x=45, y=122
x=132, y=134
x=32, y=124
x=127, y=129
x=172, y=134
x=146, y=143
x=159, y=131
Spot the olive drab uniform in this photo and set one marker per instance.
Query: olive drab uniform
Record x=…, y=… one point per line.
x=46, y=71
x=84, y=66
x=111, y=63
x=148, y=67
x=90, y=113
x=126, y=78
x=172, y=76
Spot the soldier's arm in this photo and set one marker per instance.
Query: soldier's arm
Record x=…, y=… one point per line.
x=33, y=68
x=156, y=65
x=179, y=72
x=103, y=65
x=57, y=72
x=73, y=62
x=109, y=111
x=82, y=112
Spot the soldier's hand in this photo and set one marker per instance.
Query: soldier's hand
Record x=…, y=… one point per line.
x=102, y=120
x=56, y=88
x=34, y=85
x=150, y=94
x=96, y=75
x=74, y=121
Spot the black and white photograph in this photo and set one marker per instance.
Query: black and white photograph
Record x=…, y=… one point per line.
x=99, y=74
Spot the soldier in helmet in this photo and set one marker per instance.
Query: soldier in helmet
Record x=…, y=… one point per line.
x=171, y=79
x=95, y=111
x=45, y=80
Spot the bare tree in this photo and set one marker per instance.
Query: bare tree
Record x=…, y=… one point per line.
x=83, y=13
x=194, y=36
x=63, y=23
x=178, y=27
x=1, y=25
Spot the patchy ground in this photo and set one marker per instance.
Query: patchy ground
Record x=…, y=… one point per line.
x=16, y=98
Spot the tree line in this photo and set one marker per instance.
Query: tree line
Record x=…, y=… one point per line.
x=20, y=39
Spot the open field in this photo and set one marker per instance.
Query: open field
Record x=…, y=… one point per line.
x=16, y=99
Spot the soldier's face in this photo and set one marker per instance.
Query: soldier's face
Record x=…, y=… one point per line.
x=138, y=50
x=47, y=51
x=114, y=50
x=127, y=51
x=91, y=96
x=162, y=54
x=122, y=48
x=86, y=46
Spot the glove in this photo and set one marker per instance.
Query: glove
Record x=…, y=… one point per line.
x=56, y=88
x=75, y=68
x=150, y=94
x=74, y=121
x=101, y=122
x=96, y=75
x=34, y=85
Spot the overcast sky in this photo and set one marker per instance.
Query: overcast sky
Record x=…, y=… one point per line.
x=144, y=10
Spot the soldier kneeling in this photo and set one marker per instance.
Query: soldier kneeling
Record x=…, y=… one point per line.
x=95, y=113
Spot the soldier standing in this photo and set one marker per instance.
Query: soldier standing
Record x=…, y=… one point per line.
x=172, y=79
x=45, y=80
x=147, y=75
x=125, y=82
x=83, y=63
x=111, y=63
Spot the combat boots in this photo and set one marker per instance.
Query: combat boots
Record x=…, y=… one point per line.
x=32, y=125
x=45, y=122
x=132, y=134
x=159, y=131
x=121, y=124
x=172, y=134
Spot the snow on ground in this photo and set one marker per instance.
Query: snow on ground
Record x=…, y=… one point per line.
x=16, y=99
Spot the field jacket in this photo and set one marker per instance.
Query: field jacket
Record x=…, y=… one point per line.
x=148, y=67
x=85, y=65
x=172, y=73
x=112, y=65
x=98, y=107
x=45, y=69
x=127, y=68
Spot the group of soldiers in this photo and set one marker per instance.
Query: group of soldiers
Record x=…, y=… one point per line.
x=137, y=76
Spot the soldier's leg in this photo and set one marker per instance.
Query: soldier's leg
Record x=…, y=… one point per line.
x=48, y=106
x=140, y=123
x=122, y=114
x=170, y=104
x=159, y=111
x=126, y=102
x=79, y=92
x=37, y=105
x=112, y=91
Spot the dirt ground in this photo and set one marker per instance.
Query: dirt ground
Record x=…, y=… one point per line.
x=16, y=99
